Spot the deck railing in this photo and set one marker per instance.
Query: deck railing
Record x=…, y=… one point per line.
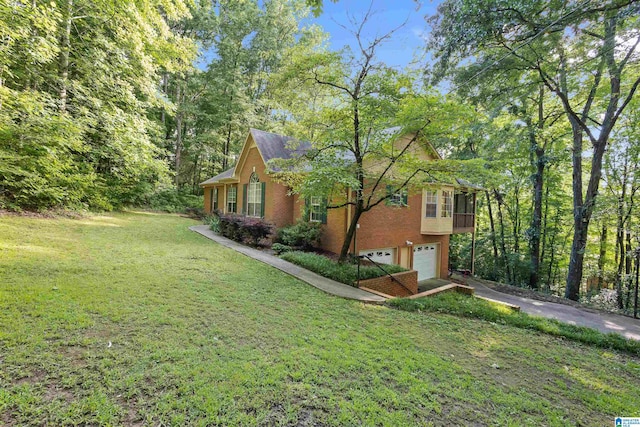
x=463, y=220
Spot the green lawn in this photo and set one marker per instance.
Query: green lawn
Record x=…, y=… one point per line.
x=202, y=335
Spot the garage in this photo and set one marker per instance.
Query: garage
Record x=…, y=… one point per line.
x=425, y=261
x=381, y=256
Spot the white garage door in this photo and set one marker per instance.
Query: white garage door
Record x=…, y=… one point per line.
x=381, y=256
x=425, y=261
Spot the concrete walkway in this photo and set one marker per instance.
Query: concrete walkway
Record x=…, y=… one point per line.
x=327, y=285
x=604, y=322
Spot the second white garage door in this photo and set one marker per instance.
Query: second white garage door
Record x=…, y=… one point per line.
x=425, y=261
x=381, y=256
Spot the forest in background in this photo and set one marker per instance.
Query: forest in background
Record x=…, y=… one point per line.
x=107, y=104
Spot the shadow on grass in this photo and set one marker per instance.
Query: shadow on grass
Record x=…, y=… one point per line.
x=467, y=306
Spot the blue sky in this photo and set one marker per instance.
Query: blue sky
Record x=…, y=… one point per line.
x=403, y=48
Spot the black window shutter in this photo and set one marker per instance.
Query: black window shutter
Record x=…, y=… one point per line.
x=324, y=211
x=405, y=198
x=244, y=199
x=263, y=188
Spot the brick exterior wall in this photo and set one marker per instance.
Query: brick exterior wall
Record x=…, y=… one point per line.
x=278, y=208
x=388, y=286
x=382, y=227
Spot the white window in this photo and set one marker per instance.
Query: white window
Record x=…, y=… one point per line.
x=447, y=204
x=232, y=198
x=214, y=199
x=254, y=196
x=431, y=202
x=315, y=209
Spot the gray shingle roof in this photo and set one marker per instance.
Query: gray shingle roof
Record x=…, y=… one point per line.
x=226, y=174
x=274, y=146
x=271, y=146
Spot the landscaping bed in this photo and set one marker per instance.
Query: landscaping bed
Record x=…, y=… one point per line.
x=346, y=272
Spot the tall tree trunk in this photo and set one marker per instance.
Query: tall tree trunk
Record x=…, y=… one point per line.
x=492, y=226
x=351, y=231
x=536, y=221
x=602, y=257
x=516, y=221
x=583, y=208
x=628, y=269
x=576, y=259
x=621, y=258
x=178, y=151
x=503, y=245
x=543, y=233
x=226, y=148
x=65, y=47
x=552, y=244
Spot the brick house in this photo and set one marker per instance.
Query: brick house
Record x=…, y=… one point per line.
x=412, y=230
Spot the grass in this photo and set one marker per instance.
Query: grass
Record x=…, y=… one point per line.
x=468, y=306
x=131, y=319
x=343, y=273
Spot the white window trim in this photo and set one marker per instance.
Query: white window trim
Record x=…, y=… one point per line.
x=447, y=207
x=426, y=202
x=232, y=198
x=254, y=197
x=315, y=202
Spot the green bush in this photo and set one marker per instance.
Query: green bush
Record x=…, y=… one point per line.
x=279, y=248
x=303, y=234
x=174, y=201
x=213, y=221
x=244, y=229
x=344, y=273
x=465, y=306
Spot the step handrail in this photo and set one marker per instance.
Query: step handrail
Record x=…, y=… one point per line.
x=384, y=271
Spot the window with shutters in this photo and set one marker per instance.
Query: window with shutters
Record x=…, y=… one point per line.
x=254, y=196
x=431, y=202
x=399, y=198
x=232, y=199
x=316, y=211
x=214, y=199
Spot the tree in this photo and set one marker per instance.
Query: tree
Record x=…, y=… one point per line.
x=356, y=160
x=585, y=54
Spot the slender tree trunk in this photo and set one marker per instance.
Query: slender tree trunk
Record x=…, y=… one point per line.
x=552, y=244
x=165, y=88
x=492, y=226
x=346, y=244
x=516, y=222
x=602, y=258
x=503, y=245
x=543, y=233
x=536, y=220
x=178, y=151
x=628, y=266
x=226, y=148
x=65, y=47
x=621, y=258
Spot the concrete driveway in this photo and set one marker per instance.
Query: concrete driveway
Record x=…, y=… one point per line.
x=604, y=322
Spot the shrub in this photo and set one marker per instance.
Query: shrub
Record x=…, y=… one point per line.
x=174, y=201
x=244, y=229
x=302, y=234
x=213, y=221
x=345, y=273
x=279, y=248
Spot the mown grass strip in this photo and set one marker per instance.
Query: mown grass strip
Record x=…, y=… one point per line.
x=465, y=306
